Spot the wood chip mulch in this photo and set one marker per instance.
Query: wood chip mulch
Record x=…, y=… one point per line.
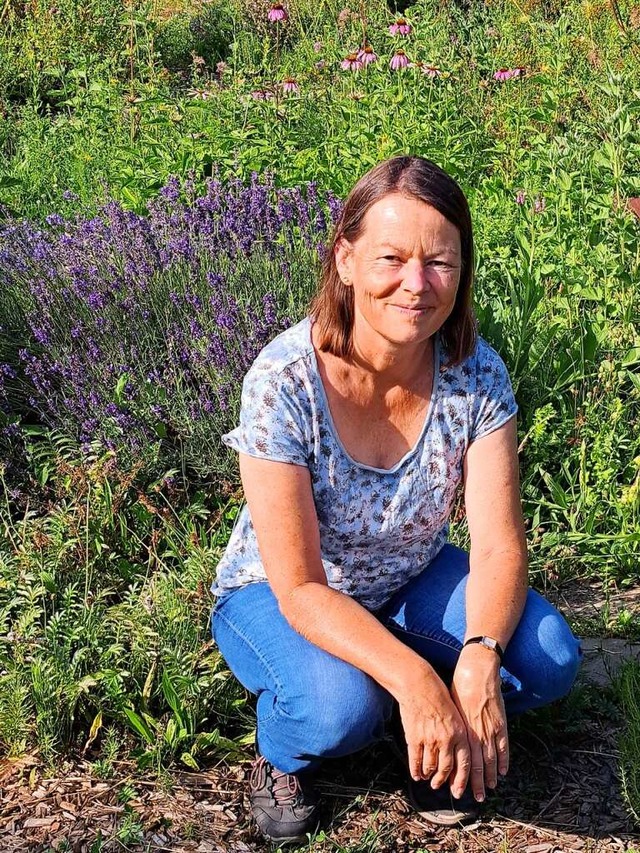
x=562, y=794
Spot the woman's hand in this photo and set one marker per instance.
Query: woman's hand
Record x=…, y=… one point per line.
x=435, y=732
x=476, y=693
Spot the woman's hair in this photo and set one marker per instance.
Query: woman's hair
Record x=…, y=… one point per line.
x=332, y=307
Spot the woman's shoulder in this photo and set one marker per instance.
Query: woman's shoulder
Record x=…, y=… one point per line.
x=483, y=360
x=285, y=350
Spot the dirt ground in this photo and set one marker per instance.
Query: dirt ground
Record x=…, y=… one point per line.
x=562, y=794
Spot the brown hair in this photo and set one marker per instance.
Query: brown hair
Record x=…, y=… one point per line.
x=332, y=307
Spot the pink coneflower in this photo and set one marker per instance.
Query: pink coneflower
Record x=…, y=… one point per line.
x=400, y=28
x=539, y=204
x=290, y=85
x=277, y=12
x=261, y=95
x=520, y=197
x=199, y=94
x=430, y=70
x=399, y=60
x=351, y=63
x=367, y=55
x=503, y=74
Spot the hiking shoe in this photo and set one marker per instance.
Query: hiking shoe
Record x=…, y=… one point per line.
x=440, y=806
x=282, y=808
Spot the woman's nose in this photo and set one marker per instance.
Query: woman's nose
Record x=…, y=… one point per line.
x=416, y=277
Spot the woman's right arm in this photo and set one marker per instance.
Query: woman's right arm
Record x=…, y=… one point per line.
x=280, y=500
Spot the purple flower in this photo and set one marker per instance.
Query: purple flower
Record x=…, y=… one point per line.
x=367, y=55
x=68, y=195
x=351, y=62
x=539, y=204
x=520, y=197
x=503, y=74
x=317, y=46
x=290, y=85
x=277, y=12
x=152, y=297
x=430, y=70
x=399, y=60
x=261, y=95
x=400, y=27
x=199, y=94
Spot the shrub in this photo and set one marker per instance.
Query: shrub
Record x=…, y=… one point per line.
x=142, y=327
x=207, y=34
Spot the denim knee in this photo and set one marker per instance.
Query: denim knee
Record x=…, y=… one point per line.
x=336, y=713
x=553, y=663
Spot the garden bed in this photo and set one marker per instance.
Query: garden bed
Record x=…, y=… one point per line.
x=562, y=794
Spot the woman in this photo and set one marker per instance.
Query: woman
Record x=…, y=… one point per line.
x=339, y=597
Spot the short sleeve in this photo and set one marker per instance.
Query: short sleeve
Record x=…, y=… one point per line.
x=273, y=416
x=493, y=402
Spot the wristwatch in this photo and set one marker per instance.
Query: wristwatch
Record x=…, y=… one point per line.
x=488, y=643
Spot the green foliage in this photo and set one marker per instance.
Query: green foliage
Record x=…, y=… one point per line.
x=628, y=691
x=185, y=37
x=104, y=614
x=104, y=573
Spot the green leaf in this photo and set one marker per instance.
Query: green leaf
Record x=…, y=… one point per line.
x=189, y=760
x=139, y=725
x=172, y=698
x=632, y=356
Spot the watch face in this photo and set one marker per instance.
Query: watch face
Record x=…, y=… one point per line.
x=489, y=643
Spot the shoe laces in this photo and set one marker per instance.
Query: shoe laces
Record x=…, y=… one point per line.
x=285, y=787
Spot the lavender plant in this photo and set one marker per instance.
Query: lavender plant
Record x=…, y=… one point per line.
x=140, y=328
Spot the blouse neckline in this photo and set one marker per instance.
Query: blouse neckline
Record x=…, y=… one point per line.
x=334, y=431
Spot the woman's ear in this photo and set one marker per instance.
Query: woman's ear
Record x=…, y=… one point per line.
x=343, y=252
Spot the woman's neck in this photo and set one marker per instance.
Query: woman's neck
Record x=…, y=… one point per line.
x=393, y=365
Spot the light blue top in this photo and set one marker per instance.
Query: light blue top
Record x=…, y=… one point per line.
x=378, y=528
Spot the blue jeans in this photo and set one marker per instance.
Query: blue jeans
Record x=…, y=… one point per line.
x=312, y=705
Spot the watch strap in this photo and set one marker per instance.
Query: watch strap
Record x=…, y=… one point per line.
x=488, y=643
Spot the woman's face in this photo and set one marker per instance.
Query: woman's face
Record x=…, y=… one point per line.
x=404, y=269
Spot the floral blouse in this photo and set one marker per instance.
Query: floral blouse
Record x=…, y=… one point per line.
x=378, y=527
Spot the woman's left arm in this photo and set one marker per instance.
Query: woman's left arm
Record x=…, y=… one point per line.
x=496, y=593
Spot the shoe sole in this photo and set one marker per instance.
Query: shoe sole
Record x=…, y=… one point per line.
x=443, y=817
x=292, y=839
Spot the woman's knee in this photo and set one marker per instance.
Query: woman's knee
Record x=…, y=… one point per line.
x=563, y=655
x=548, y=655
x=335, y=710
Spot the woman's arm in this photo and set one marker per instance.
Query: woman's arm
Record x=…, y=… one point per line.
x=280, y=501
x=496, y=593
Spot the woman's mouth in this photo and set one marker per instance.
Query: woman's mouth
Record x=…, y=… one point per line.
x=414, y=311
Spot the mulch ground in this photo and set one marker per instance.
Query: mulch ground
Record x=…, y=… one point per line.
x=562, y=794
